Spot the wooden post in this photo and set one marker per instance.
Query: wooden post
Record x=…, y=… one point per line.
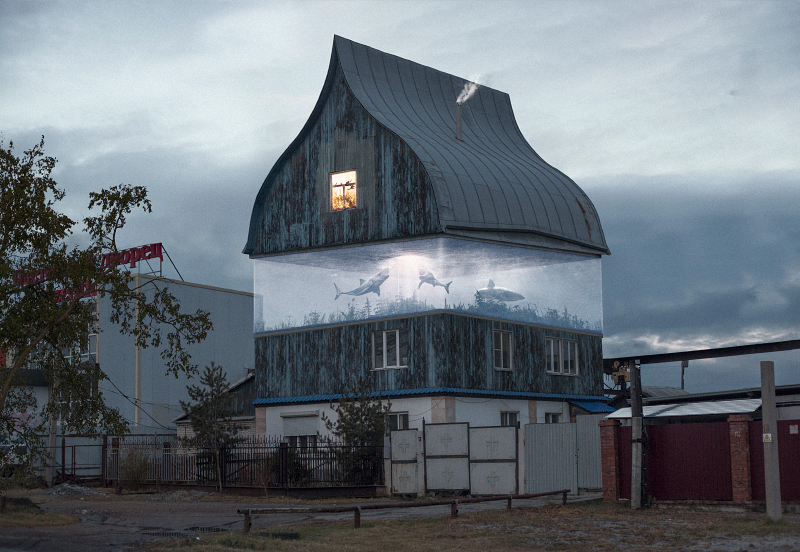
x=636, y=435
x=564, y=498
x=247, y=522
x=508, y=507
x=454, y=509
x=772, y=473
x=357, y=517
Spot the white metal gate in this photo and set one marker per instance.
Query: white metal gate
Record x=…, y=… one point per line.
x=563, y=456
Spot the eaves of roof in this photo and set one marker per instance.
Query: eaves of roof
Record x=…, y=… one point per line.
x=430, y=391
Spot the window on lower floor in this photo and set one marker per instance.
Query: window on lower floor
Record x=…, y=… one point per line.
x=509, y=419
x=552, y=418
x=561, y=356
x=389, y=349
x=396, y=421
x=502, y=350
x=302, y=441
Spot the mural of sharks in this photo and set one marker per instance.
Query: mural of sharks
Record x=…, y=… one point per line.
x=373, y=285
x=427, y=277
x=499, y=293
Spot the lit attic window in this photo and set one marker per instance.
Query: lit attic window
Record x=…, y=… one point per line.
x=343, y=190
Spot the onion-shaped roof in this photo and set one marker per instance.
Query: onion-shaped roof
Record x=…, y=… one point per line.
x=490, y=184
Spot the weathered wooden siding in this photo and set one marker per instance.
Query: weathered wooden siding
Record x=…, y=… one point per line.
x=444, y=350
x=395, y=196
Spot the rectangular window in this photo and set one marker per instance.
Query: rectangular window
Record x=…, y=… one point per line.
x=396, y=421
x=302, y=441
x=502, y=350
x=389, y=349
x=343, y=190
x=509, y=419
x=561, y=356
x=552, y=418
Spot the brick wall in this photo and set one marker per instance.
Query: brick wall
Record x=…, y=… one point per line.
x=740, y=457
x=609, y=463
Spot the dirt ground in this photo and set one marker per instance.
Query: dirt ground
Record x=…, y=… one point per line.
x=129, y=522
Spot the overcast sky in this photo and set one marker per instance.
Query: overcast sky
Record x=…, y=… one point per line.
x=679, y=119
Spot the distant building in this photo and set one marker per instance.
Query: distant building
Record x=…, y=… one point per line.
x=421, y=243
x=137, y=383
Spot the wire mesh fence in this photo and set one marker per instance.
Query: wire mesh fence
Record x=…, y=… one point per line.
x=251, y=462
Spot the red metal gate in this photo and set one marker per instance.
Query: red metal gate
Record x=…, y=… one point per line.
x=684, y=461
x=788, y=459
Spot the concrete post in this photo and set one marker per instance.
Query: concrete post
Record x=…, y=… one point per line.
x=636, y=436
x=772, y=473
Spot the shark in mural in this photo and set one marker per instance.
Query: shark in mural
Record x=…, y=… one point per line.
x=427, y=277
x=373, y=285
x=499, y=293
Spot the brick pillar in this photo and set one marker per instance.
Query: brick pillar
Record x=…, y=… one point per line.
x=740, y=457
x=609, y=462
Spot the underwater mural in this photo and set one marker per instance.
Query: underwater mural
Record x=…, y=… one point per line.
x=369, y=282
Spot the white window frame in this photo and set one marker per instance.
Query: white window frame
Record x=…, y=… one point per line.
x=552, y=417
x=402, y=420
x=505, y=418
x=566, y=362
x=502, y=333
x=380, y=339
x=342, y=185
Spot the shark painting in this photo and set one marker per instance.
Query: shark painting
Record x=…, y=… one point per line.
x=427, y=277
x=373, y=285
x=499, y=293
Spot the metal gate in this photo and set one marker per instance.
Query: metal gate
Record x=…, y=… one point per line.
x=405, y=471
x=493, y=460
x=551, y=457
x=446, y=457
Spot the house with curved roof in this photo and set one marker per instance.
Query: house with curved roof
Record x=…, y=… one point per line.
x=411, y=236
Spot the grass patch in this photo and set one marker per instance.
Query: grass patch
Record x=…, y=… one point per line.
x=758, y=526
x=24, y=513
x=601, y=527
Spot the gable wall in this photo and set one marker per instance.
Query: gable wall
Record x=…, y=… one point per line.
x=395, y=197
x=444, y=350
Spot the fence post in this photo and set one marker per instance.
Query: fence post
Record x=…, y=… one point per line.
x=247, y=522
x=63, y=459
x=454, y=509
x=738, y=426
x=357, y=517
x=564, y=498
x=609, y=459
x=508, y=507
x=104, y=461
x=284, y=464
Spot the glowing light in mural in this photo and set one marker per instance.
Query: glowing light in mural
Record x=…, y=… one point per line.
x=441, y=274
x=343, y=190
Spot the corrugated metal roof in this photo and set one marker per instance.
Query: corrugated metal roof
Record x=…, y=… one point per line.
x=593, y=406
x=742, y=406
x=491, y=184
x=431, y=391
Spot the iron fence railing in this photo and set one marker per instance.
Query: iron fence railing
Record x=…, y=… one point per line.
x=253, y=462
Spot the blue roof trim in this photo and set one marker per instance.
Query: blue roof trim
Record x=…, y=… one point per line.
x=593, y=406
x=434, y=391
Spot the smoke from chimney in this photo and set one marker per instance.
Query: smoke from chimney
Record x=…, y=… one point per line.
x=458, y=121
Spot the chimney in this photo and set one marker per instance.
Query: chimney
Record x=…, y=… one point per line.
x=458, y=120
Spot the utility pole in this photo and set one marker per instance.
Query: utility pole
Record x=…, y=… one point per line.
x=137, y=391
x=636, y=435
x=684, y=366
x=769, y=420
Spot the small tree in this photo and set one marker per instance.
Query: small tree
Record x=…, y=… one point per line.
x=360, y=426
x=210, y=414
